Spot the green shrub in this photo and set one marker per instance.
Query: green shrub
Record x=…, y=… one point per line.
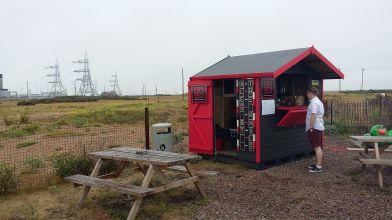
x=26, y=103
x=24, y=118
x=178, y=137
x=80, y=121
x=61, y=122
x=34, y=163
x=25, y=144
x=31, y=128
x=8, y=180
x=69, y=164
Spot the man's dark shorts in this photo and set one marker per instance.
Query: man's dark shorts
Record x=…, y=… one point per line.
x=315, y=138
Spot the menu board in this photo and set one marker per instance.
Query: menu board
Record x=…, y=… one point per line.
x=245, y=115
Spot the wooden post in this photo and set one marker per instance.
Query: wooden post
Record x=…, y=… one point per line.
x=379, y=167
x=380, y=107
x=147, y=128
x=331, y=112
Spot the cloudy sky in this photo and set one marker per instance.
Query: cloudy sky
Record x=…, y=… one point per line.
x=148, y=42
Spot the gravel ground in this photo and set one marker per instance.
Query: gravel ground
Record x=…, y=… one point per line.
x=343, y=190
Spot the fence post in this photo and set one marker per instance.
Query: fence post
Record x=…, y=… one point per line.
x=331, y=112
x=380, y=104
x=147, y=128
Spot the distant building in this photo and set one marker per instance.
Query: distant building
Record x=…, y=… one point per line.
x=109, y=94
x=4, y=94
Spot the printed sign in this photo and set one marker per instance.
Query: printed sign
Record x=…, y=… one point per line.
x=199, y=94
x=268, y=107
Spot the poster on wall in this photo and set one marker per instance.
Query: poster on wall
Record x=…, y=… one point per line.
x=268, y=107
x=199, y=94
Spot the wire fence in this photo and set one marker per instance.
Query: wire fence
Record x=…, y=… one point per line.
x=30, y=142
x=357, y=117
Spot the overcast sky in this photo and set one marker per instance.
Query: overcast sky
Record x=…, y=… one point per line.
x=148, y=42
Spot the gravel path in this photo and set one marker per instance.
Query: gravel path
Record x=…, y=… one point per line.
x=290, y=191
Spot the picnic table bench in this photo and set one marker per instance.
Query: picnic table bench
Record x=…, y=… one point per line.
x=150, y=162
x=365, y=143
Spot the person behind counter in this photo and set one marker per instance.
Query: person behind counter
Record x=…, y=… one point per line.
x=315, y=128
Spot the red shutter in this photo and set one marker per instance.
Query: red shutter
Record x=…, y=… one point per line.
x=200, y=113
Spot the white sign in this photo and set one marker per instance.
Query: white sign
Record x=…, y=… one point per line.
x=268, y=107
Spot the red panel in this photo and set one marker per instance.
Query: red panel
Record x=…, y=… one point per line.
x=200, y=114
x=290, y=108
x=293, y=118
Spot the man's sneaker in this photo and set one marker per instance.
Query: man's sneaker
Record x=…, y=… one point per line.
x=315, y=169
x=311, y=166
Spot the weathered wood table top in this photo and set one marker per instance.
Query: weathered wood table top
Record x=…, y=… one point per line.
x=154, y=157
x=378, y=139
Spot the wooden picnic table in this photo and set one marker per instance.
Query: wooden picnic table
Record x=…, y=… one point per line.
x=367, y=142
x=150, y=162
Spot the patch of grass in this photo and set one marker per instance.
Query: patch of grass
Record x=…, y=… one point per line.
x=34, y=163
x=115, y=204
x=108, y=115
x=25, y=211
x=70, y=164
x=179, y=202
x=24, y=118
x=8, y=179
x=61, y=122
x=25, y=144
x=1, y=146
x=7, y=121
x=61, y=133
x=20, y=131
x=340, y=129
x=80, y=121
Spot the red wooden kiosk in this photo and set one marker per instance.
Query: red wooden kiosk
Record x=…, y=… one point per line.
x=252, y=108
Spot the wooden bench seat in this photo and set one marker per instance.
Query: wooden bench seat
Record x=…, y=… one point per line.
x=97, y=182
x=384, y=162
x=361, y=149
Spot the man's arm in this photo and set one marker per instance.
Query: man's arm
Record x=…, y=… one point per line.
x=312, y=121
x=313, y=111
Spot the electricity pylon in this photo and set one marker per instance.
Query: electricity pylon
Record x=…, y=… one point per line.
x=115, y=87
x=58, y=88
x=87, y=86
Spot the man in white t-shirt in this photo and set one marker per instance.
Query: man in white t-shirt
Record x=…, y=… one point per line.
x=315, y=128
